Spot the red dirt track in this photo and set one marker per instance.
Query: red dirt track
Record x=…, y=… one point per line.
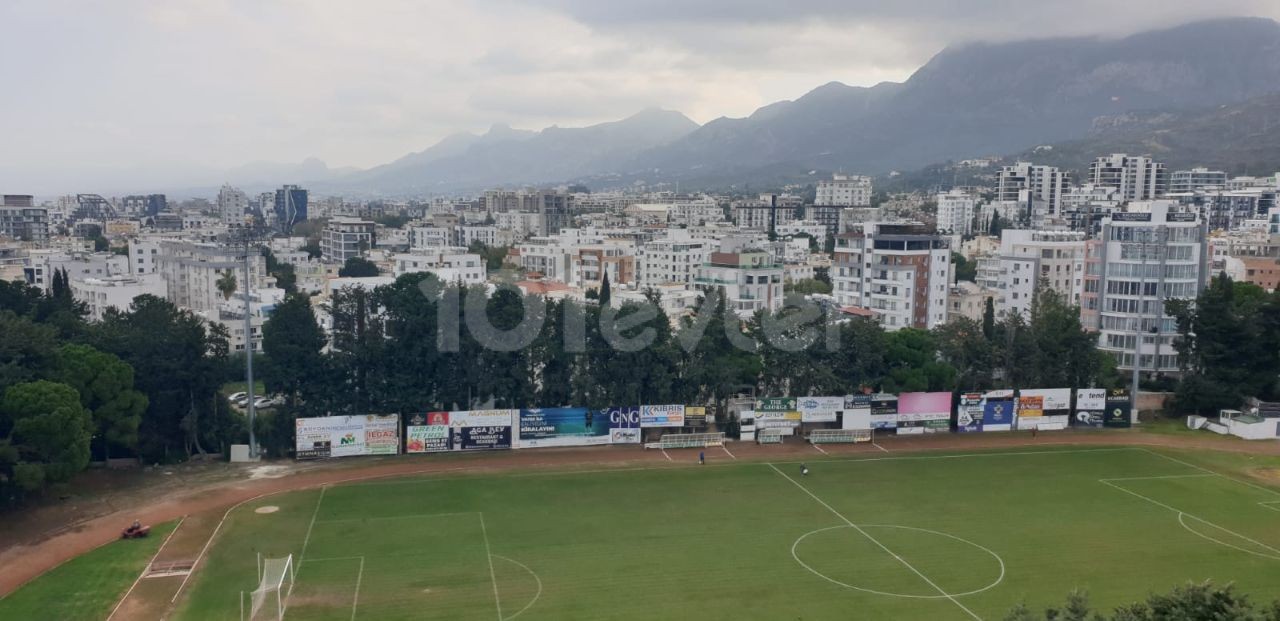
x=206, y=505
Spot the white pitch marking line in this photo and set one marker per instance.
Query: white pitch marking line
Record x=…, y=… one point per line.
x=356, y=598
x=536, y=579
x=146, y=569
x=1268, y=504
x=1167, y=476
x=664, y=454
x=819, y=449
x=488, y=555
x=726, y=449
x=396, y=517
x=877, y=542
x=312, y=525
x=1219, y=474
x=879, y=447
x=1194, y=517
x=1218, y=541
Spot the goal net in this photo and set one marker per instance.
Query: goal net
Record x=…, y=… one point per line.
x=275, y=583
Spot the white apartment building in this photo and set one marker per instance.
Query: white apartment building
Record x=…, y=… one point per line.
x=813, y=229
x=760, y=215
x=450, y=265
x=956, y=209
x=1142, y=260
x=100, y=294
x=1135, y=177
x=844, y=191
x=1028, y=260
x=40, y=265
x=750, y=280
x=1199, y=178
x=521, y=223
x=20, y=221
x=433, y=237
x=901, y=272
x=346, y=238
x=674, y=259
x=1025, y=183
x=484, y=234
x=233, y=204
x=191, y=272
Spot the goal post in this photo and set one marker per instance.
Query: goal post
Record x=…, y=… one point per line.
x=275, y=584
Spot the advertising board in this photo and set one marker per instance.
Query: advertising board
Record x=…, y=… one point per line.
x=662, y=416
x=856, y=413
x=999, y=410
x=1118, y=408
x=346, y=436
x=562, y=427
x=924, y=412
x=884, y=411
x=482, y=430
x=969, y=412
x=1090, y=405
x=819, y=409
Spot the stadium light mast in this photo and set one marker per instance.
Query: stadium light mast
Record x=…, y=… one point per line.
x=248, y=238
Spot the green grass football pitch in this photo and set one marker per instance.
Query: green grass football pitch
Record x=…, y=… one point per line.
x=914, y=536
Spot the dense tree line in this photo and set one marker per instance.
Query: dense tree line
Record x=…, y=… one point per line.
x=140, y=383
x=1228, y=346
x=1191, y=602
x=418, y=345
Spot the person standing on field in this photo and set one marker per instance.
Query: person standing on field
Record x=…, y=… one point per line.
x=702, y=458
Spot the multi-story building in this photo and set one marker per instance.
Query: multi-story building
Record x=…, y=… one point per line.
x=750, y=280
x=21, y=221
x=1273, y=221
x=1199, y=178
x=1142, y=260
x=674, y=259
x=144, y=204
x=100, y=294
x=844, y=191
x=826, y=215
x=40, y=266
x=345, y=238
x=969, y=300
x=956, y=210
x=450, y=265
x=762, y=215
x=1025, y=183
x=191, y=272
x=1136, y=177
x=1029, y=261
x=233, y=204
x=290, y=205
x=901, y=272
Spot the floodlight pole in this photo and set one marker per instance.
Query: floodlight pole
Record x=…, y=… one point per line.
x=250, y=235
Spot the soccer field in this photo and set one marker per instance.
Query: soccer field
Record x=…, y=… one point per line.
x=939, y=536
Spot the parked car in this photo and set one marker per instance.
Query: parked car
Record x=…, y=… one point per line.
x=236, y=397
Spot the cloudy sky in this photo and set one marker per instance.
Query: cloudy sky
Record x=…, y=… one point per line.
x=122, y=92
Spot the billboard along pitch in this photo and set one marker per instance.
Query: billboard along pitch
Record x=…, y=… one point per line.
x=431, y=437
x=482, y=430
x=999, y=411
x=819, y=409
x=1044, y=408
x=662, y=416
x=1091, y=403
x=924, y=412
x=562, y=427
x=346, y=436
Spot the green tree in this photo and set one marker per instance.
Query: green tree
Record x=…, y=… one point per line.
x=105, y=384
x=1063, y=353
x=356, y=267
x=808, y=286
x=996, y=225
x=1228, y=345
x=1190, y=602
x=226, y=284
x=913, y=364
x=27, y=350
x=44, y=437
x=964, y=268
x=962, y=344
x=989, y=318
x=605, y=294
x=294, y=365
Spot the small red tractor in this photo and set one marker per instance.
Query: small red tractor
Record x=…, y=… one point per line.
x=135, y=531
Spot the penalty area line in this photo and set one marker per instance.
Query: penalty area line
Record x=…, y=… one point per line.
x=146, y=569
x=819, y=449
x=726, y=450
x=877, y=542
x=664, y=454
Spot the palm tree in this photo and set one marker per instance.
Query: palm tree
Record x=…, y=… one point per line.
x=227, y=284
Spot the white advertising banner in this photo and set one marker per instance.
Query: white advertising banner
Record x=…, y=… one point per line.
x=819, y=409
x=346, y=436
x=662, y=416
x=1091, y=399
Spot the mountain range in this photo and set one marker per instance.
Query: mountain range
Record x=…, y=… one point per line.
x=968, y=100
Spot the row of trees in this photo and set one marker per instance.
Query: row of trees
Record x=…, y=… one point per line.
x=1190, y=602
x=410, y=347
x=142, y=382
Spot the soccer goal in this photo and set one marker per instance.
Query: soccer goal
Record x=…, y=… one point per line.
x=688, y=440
x=275, y=583
x=832, y=436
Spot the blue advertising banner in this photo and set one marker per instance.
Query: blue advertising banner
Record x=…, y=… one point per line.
x=999, y=411
x=563, y=427
x=623, y=417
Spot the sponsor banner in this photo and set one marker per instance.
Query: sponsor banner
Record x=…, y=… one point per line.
x=562, y=427
x=1091, y=403
x=483, y=418
x=1046, y=422
x=482, y=438
x=1053, y=401
x=999, y=410
x=427, y=438
x=856, y=413
x=884, y=411
x=624, y=417
x=924, y=412
x=969, y=412
x=624, y=435
x=819, y=409
x=1118, y=408
x=346, y=436
x=1030, y=407
x=747, y=421
x=777, y=420
x=776, y=404
x=695, y=416
x=662, y=416
x=438, y=418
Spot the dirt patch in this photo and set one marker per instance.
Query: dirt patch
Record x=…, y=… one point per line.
x=269, y=472
x=319, y=600
x=1270, y=475
x=266, y=509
